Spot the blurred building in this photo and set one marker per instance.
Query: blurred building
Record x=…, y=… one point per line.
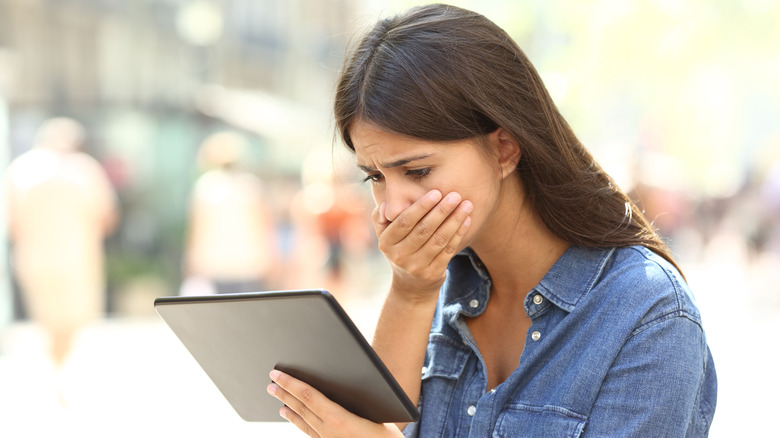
x=151, y=79
x=82, y=53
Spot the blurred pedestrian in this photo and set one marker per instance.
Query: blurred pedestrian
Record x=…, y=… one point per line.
x=61, y=206
x=333, y=238
x=231, y=242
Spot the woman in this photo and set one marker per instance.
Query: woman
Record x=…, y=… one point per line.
x=529, y=289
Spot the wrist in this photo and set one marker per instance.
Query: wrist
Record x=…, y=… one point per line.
x=422, y=297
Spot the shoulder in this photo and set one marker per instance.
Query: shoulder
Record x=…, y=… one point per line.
x=29, y=169
x=207, y=180
x=641, y=280
x=87, y=165
x=26, y=160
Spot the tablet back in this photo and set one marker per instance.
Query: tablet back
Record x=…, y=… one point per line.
x=238, y=338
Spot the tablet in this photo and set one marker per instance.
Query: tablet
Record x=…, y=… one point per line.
x=239, y=338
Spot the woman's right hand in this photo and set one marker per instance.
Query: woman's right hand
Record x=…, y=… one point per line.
x=319, y=417
x=420, y=242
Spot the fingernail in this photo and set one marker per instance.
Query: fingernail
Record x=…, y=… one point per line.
x=274, y=374
x=467, y=206
x=467, y=222
x=271, y=388
x=452, y=198
x=434, y=195
x=382, y=218
x=283, y=413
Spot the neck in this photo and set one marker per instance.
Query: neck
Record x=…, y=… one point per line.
x=517, y=248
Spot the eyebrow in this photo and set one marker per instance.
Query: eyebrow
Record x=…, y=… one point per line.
x=397, y=163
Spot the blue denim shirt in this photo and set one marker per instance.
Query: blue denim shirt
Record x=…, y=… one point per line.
x=615, y=349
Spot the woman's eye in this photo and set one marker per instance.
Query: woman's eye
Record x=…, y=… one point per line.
x=373, y=178
x=418, y=173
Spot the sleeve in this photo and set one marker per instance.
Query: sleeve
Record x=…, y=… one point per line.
x=654, y=386
x=411, y=430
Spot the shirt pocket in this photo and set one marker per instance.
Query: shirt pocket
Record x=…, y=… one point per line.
x=444, y=365
x=445, y=358
x=519, y=420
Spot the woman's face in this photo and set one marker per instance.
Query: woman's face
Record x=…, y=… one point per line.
x=402, y=169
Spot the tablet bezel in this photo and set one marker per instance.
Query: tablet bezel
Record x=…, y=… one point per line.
x=257, y=405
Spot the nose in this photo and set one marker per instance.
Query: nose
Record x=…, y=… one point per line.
x=397, y=199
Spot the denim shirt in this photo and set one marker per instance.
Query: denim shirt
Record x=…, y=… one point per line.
x=615, y=349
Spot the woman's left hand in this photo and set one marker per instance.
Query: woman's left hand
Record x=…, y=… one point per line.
x=317, y=416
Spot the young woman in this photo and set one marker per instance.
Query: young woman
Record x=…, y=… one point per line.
x=529, y=289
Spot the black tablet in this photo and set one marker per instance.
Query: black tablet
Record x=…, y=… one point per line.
x=239, y=338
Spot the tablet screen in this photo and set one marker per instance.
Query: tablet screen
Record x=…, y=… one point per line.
x=238, y=338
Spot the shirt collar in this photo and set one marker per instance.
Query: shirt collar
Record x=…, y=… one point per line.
x=571, y=277
x=467, y=287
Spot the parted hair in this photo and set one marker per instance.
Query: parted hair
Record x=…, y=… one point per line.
x=443, y=73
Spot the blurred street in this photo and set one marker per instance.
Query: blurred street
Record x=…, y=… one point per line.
x=131, y=376
x=126, y=377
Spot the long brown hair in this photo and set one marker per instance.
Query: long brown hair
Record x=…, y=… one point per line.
x=443, y=73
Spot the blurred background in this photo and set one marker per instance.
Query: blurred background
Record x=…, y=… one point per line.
x=197, y=115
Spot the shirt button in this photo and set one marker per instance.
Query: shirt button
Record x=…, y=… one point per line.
x=471, y=410
x=424, y=370
x=538, y=299
x=535, y=336
x=474, y=304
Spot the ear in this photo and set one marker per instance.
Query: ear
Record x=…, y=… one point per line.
x=508, y=150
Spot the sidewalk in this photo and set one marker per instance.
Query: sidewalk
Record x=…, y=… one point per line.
x=125, y=377
x=740, y=308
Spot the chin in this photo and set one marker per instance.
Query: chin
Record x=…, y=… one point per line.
x=472, y=236
x=465, y=243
